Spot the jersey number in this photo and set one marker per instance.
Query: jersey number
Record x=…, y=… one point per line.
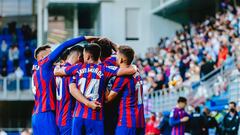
x=138, y=88
x=33, y=87
x=59, y=88
x=91, y=90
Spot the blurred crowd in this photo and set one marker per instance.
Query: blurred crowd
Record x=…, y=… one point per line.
x=193, y=52
x=16, y=50
x=194, y=121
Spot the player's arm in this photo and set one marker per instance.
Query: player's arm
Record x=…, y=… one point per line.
x=174, y=121
x=66, y=71
x=118, y=86
x=62, y=47
x=79, y=97
x=127, y=71
x=110, y=96
x=111, y=71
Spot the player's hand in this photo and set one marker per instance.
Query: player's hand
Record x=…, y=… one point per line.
x=95, y=105
x=135, y=67
x=91, y=38
x=184, y=119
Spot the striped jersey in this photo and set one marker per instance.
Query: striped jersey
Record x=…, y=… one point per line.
x=44, y=85
x=110, y=61
x=131, y=111
x=176, y=114
x=91, y=80
x=65, y=101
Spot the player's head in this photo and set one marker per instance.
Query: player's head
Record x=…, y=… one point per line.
x=232, y=106
x=125, y=55
x=42, y=51
x=75, y=54
x=106, y=48
x=182, y=102
x=91, y=53
x=64, y=56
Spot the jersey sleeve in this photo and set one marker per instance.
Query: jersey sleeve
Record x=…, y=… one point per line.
x=174, y=120
x=73, y=79
x=59, y=50
x=118, y=84
x=110, y=71
x=72, y=70
x=111, y=61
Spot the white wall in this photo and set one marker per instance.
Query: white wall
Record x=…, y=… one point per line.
x=151, y=27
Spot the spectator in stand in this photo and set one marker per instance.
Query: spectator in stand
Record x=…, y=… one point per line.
x=231, y=120
x=179, y=117
x=4, y=66
x=14, y=55
x=3, y=49
x=223, y=52
x=210, y=122
x=197, y=123
x=206, y=67
x=19, y=73
x=28, y=60
x=27, y=32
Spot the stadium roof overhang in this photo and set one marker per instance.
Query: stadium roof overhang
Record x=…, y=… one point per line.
x=183, y=11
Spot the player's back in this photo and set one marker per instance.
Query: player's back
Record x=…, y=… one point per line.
x=92, y=79
x=131, y=111
x=43, y=86
x=65, y=102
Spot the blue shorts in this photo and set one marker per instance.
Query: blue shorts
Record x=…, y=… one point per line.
x=44, y=123
x=65, y=130
x=120, y=130
x=82, y=126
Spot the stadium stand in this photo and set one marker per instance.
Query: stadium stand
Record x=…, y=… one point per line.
x=196, y=63
x=16, y=53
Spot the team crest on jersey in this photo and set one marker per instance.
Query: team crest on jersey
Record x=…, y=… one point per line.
x=35, y=67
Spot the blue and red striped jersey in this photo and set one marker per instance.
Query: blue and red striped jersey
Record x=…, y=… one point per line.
x=91, y=80
x=44, y=85
x=176, y=114
x=131, y=111
x=110, y=61
x=65, y=102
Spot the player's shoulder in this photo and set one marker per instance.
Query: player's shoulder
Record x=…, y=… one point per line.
x=173, y=111
x=43, y=61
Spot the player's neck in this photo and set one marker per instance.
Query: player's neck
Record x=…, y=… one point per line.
x=69, y=61
x=124, y=65
x=93, y=62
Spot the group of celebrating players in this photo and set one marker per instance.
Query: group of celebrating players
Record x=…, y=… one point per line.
x=90, y=90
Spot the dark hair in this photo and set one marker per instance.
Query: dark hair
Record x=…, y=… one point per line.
x=233, y=103
x=106, y=47
x=78, y=49
x=197, y=109
x=182, y=100
x=94, y=49
x=64, y=55
x=128, y=52
x=39, y=49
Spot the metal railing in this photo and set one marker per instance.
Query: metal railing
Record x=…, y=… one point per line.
x=16, y=89
x=212, y=84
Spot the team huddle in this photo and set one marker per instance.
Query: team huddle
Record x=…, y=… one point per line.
x=90, y=90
